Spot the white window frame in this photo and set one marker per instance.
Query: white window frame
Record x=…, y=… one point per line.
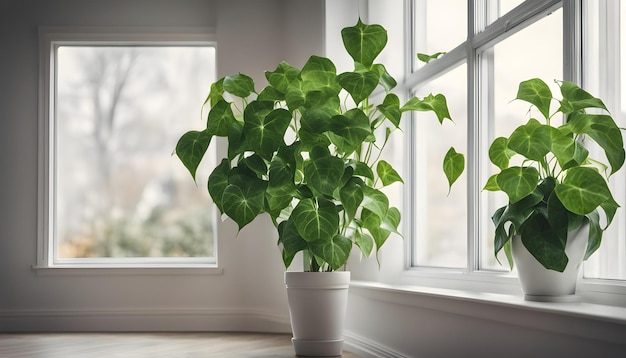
x=51, y=38
x=612, y=292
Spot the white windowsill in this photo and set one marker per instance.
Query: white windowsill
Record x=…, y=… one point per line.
x=410, y=295
x=125, y=269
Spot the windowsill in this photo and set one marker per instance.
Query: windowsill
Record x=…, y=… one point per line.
x=125, y=269
x=411, y=294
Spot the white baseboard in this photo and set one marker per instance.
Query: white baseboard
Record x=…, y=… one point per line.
x=137, y=319
x=367, y=348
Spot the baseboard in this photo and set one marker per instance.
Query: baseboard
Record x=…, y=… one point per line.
x=367, y=348
x=137, y=319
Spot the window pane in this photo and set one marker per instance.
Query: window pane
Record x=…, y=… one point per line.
x=440, y=218
x=498, y=8
x=119, y=192
x=431, y=34
x=604, y=53
x=536, y=51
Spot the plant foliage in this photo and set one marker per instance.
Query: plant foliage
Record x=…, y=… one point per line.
x=559, y=185
x=306, y=150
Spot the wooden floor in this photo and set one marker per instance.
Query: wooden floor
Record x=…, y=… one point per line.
x=147, y=345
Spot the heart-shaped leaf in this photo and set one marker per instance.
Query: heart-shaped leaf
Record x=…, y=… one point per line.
x=359, y=84
x=575, y=99
x=334, y=250
x=436, y=103
x=583, y=190
x=391, y=109
x=531, y=140
x=265, y=131
x=282, y=77
x=191, y=148
x=453, y=166
x=290, y=240
x=220, y=118
x=239, y=85
x=518, y=182
x=387, y=174
x=540, y=240
x=244, y=200
x=315, y=221
x=499, y=153
x=323, y=173
x=364, y=42
x=351, y=195
x=536, y=92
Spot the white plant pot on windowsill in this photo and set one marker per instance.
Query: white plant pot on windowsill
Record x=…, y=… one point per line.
x=541, y=284
x=317, y=306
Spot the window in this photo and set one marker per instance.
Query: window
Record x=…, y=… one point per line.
x=113, y=107
x=507, y=42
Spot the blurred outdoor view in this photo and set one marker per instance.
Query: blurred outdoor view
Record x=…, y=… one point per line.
x=119, y=192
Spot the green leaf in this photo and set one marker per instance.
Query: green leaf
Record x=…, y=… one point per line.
x=364, y=42
x=359, y=84
x=499, y=153
x=239, y=85
x=583, y=190
x=323, y=173
x=603, y=130
x=391, y=221
x=595, y=233
x=436, y=103
x=263, y=131
x=390, y=108
x=191, y=148
x=558, y=217
x=531, y=140
x=518, y=182
x=492, y=183
x=290, y=240
x=361, y=169
x=220, y=118
x=350, y=130
x=216, y=93
x=364, y=242
x=516, y=214
x=282, y=77
x=453, y=166
x=218, y=181
x=536, y=92
x=319, y=74
x=334, y=250
x=375, y=201
x=427, y=58
x=387, y=174
x=372, y=222
x=568, y=151
x=541, y=241
x=575, y=99
x=351, y=195
x=315, y=221
x=386, y=80
x=244, y=200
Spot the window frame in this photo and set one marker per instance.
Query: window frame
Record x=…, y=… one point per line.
x=50, y=38
x=482, y=36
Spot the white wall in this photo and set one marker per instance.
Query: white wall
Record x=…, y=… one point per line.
x=252, y=36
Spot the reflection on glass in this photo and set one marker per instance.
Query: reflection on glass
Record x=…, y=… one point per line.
x=119, y=192
x=535, y=51
x=440, y=26
x=441, y=217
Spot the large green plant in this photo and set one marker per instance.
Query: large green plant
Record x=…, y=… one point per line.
x=559, y=185
x=306, y=150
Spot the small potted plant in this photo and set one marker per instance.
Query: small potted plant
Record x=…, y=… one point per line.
x=306, y=151
x=559, y=193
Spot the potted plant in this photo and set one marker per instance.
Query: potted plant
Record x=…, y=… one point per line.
x=559, y=201
x=306, y=151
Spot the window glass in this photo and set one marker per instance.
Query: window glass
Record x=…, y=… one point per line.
x=432, y=33
x=534, y=52
x=440, y=215
x=118, y=191
x=604, y=49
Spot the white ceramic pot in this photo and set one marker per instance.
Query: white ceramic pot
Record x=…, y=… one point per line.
x=317, y=306
x=541, y=284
